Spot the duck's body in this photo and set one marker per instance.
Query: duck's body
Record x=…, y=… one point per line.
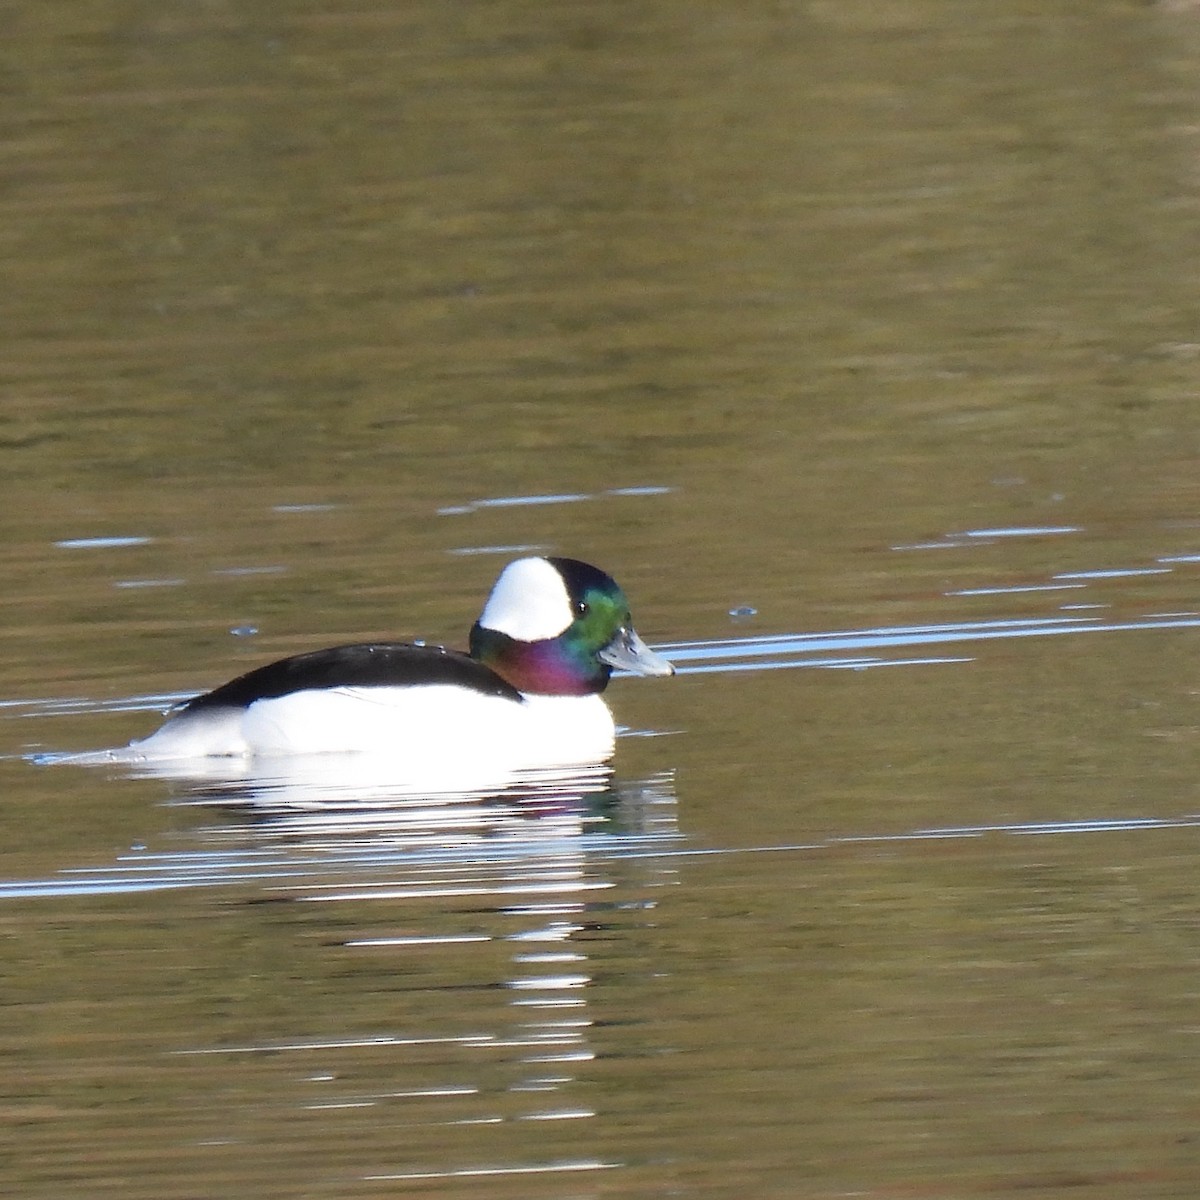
x=526, y=696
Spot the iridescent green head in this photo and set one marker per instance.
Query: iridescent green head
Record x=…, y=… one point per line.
x=558, y=627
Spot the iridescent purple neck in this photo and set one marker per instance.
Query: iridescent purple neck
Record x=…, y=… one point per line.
x=553, y=667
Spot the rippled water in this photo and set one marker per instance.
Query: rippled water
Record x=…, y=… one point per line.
x=326, y=986
x=846, y=336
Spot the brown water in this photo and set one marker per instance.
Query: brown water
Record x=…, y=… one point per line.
x=859, y=341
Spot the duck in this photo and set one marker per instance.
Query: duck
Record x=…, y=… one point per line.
x=527, y=694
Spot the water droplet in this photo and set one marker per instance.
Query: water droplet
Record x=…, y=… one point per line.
x=742, y=611
x=244, y=630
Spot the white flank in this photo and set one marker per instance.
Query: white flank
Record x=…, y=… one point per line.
x=429, y=729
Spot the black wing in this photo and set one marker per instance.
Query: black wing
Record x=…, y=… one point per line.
x=377, y=664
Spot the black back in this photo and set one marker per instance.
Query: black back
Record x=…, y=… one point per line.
x=368, y=664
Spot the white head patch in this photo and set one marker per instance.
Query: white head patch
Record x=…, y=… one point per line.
x=529, y=602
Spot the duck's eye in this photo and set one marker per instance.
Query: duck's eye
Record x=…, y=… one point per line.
x=581, y=608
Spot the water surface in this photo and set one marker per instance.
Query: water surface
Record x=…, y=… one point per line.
x=859, y=343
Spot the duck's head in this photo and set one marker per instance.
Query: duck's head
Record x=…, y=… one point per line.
x=558, y=627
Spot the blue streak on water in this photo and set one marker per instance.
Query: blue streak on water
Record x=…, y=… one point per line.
x=317, y=866
x=526, y=548
x=524, y=501
x=239, y=571
x=1007, y=591
x=786, y=650
x=952, y=832
x=102, y=543
x=308, y=868
x=829, y=664
x=1114, y=573
x=1019, y=531
x=455, y=510
x=68, y=705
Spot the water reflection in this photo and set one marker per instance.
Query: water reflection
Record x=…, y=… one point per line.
x=354, y=782
x=462, y=931
x=480, y=918
x=298, y=832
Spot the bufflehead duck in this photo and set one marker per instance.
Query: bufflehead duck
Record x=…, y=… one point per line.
x=526, y=696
